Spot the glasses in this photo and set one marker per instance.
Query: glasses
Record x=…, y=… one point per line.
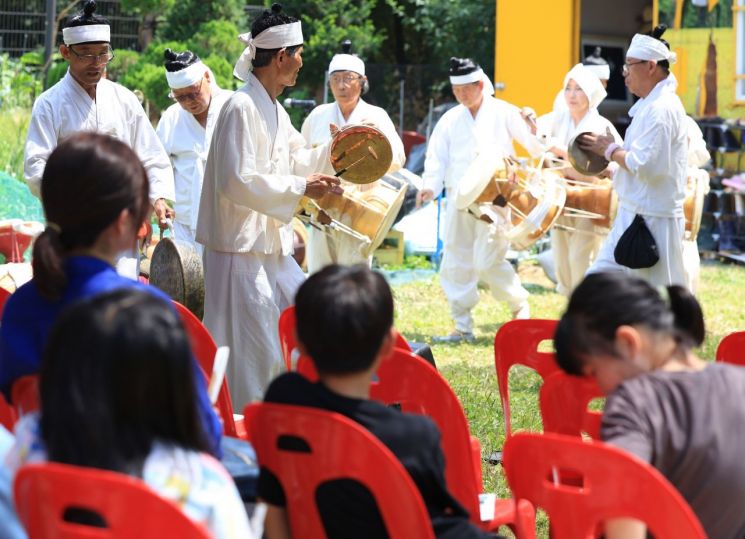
x=344, y=79
x=104, y=57
x=627, y=65
x=191, y=96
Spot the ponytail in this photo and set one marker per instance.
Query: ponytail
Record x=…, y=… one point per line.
x=48, y=264
x=688, y=316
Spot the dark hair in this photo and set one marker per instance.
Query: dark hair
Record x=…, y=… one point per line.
x=176, y=61
x=657, y=34
x=88, y=180
x=86, y=16
x=117, y=375
x=267, y=19
x=604, y=301
x=343, y=316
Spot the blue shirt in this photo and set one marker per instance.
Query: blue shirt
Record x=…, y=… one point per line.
x=28, y=317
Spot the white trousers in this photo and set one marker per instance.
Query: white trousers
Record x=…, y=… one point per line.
x=244, y=294
x=668, y=234
x=475, y=251
x=334, y=247
x=185, y=233
x=573, y=251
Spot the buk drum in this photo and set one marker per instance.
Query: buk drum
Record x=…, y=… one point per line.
x=366, y=215
x=597, y=201
x=534, y=196
x=696, y=189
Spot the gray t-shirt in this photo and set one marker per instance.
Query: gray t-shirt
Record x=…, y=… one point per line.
x=691, y=427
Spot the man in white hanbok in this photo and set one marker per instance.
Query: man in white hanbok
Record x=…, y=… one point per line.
x=348, y=82
x=86, y=101
x=474, y=250
x=185, y=129
x=575, y=240
x=652, y=176
x=255, y=177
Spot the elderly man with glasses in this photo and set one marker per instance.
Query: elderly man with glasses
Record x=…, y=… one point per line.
x=185, y=129
x=84, y=100
x=348, y=84
x=652, y=176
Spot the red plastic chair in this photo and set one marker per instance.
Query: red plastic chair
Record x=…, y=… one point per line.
x=564, y=400
x=24, y=394
x=408, y=381
x=732, y=349
x=614, y=484
x=8, y=415
x=129, y=507
x=288, y=343
x=4, y=295
x=516, y=343
x=339, y=448
x=204, y=349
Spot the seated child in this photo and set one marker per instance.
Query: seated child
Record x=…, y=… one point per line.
x=683, y=415
x=118, y=393
x=345, y=324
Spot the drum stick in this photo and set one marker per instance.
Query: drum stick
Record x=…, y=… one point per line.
x=370, y=152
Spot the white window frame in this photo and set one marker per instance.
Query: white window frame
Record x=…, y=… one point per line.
x=739, y=23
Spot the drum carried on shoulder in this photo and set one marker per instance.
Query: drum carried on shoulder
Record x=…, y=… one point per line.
x=360, y=154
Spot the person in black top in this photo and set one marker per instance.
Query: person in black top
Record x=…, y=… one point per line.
x=345, y=324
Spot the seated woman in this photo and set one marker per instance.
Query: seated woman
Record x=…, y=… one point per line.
x=118, y=393
x=95, y=196
x=683, y=415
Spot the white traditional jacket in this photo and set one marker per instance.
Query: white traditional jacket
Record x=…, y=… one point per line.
x=66, y=108
x=187, y=143
x=255, y=176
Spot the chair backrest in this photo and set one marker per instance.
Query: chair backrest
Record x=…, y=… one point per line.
x=338, y=448
x=613, y=484
x=24, y=394
x=409, y=382
x=203, y=346
x=4, y=295
x=516, y=343
x=564, y=400
x=288, y=343
x=8, y=415
x=732, y=349
x=43, y=493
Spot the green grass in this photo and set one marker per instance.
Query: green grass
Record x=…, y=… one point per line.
x=422, y=312
x=13, y=127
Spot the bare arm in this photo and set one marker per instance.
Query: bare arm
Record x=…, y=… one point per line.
x=625, y=528
x=276, y=523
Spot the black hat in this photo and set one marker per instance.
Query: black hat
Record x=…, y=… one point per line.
x=462, y=66
x=176, y=61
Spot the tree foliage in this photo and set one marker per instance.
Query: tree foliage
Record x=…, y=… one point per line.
x=187, y=16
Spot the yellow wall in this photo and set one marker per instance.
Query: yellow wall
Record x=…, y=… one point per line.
x=691, y=45
x=537, y=41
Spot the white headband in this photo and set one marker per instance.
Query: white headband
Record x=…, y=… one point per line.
x=588, y=82
x=347, y=62
x=601, y=71
x=186, y=77
x=274, y=37
x=86, y=34
x=473, y=76
x=648, y=48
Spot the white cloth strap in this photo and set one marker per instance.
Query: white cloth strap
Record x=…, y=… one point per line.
x=468, y=78
x=86, y=34
x=645, y=47
x=274, y=37
x=347, y=62
x=186, y=77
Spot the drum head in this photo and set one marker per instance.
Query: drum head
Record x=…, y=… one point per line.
x=478, y=176
x=361, y=153
x=176, y=269
x=583, y=162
